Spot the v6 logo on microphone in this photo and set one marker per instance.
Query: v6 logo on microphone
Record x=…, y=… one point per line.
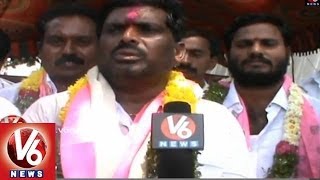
x=178, y=127
x=177, y=131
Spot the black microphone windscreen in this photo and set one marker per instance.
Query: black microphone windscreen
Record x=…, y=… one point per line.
x=176, y=163
x=177, y=107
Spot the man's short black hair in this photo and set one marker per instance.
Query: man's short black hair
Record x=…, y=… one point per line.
x=255, y=18
x=5, y=45
x=213, y=41
x=68, y=9
x=173, y=8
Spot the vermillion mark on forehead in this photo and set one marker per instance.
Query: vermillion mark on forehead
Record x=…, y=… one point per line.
x=133, y=14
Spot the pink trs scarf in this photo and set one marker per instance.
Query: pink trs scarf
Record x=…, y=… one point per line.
x=309, y=146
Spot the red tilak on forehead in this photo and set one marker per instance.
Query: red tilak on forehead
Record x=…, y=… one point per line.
x=133, y=13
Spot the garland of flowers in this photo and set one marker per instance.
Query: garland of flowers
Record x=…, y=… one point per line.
x=177, y=89
x=286, y=156
x=29, y=90
x=216, y=92
x=72, y=90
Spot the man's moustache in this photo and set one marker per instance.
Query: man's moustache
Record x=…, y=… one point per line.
x=257, y=59
x=121, y=46
x=69, y=58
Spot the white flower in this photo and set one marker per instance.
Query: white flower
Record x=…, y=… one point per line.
x=293, y=116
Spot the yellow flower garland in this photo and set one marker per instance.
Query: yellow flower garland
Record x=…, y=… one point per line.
x=72, y=90
x=177, y=89
x=29, y=90
x=33, y=81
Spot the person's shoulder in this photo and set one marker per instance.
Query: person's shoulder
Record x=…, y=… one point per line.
x=310, y=82
x=5, y=83
x=60, y=98
x=46, y=109
x=5, y=103
x=216, y=113
x=10, y=92
x=10, y=88
x=7, y=108
x=205, y=105
x=315, y=103
x=52, y=102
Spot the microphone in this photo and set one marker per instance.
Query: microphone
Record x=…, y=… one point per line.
x=176, y=134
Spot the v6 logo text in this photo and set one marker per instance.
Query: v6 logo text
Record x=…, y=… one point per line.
x=178, y=127
x=26, y=147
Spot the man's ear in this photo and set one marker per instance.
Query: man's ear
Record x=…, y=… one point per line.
x=180, y=52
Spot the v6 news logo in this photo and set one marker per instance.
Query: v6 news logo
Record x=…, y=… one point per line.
x=177, y=131
x=178, y=127
x=27, y=150
x=26, y=147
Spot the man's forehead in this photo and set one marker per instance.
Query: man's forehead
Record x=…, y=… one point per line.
x=70, y=19
x=196, y=42
x=71, y=27
x=137, y=13
x=258, y=30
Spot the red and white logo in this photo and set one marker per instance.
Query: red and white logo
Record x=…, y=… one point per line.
x=178, y=127
x=26, y=147
x=12, y=119
x=312, y=1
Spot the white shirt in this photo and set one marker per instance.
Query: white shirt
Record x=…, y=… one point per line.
x=225, y=153
x=312, y=85
x=5, y=83
x=7, y=108
x=263, y=144
x=11, y=92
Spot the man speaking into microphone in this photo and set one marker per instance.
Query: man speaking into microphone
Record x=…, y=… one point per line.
x=114, y=103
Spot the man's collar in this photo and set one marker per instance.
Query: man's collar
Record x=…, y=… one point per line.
x=51, y=84
x=232, y=98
